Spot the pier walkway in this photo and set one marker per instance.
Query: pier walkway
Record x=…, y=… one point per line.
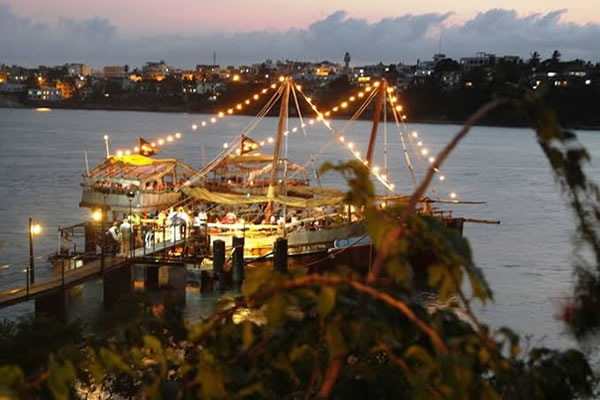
x=88, y=271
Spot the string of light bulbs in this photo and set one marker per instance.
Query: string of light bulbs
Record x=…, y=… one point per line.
x=212, y=120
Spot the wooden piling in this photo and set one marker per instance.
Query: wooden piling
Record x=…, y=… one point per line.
x=218, y=263
x=238, y=260
x=280, y=262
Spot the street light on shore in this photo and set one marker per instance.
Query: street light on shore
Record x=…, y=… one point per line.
x=34, y=229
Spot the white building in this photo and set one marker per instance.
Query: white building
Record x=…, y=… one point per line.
x=44, y=94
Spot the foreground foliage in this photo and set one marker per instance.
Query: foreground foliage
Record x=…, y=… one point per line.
x=337, y=334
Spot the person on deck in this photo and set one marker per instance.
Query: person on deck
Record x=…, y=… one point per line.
x=125, y=229
x=114, y=238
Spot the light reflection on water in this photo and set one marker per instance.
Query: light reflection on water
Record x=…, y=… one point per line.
x=526, y=259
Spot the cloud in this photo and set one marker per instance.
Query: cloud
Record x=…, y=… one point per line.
x=405, y=38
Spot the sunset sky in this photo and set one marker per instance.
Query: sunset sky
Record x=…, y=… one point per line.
x=186, y=31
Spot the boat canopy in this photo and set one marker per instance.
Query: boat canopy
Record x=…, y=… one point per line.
x=138, y=169
x=202, y=194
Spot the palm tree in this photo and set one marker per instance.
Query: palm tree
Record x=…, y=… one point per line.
x=534, y=59
x=556, y=57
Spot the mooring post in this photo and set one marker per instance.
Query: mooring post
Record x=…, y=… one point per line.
x=164, y=238
x=280, y=256
x=238, y=260
x=218, y=263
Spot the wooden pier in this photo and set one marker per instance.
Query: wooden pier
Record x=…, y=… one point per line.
x=89, y=270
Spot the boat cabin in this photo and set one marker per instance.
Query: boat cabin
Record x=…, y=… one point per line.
x=136, y=183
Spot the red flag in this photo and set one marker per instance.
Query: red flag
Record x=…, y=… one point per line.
x=248, y=145
x=147, y=149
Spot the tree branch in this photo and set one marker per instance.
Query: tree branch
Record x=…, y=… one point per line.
x=418, y=194
x=331, y=375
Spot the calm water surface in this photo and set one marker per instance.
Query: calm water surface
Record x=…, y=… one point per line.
x=526, y=259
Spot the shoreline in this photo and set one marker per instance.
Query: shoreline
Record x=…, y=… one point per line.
x=10, y=103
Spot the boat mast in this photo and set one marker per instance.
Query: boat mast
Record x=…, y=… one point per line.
x=376, y=116
x=283, y=113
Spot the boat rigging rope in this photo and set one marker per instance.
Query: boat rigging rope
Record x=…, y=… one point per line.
x=232, y=146
x=409, y=164
x=302, y=126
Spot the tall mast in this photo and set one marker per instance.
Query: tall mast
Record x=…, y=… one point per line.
x=283, y=114
x=376, y=116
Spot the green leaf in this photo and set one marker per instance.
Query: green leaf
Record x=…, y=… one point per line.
x=422, y=357
x=60, y=378
x=275, y=311
x=336, y=344
x=326, y=301
x=10, y=377
x=255, y=278
x=247, y=335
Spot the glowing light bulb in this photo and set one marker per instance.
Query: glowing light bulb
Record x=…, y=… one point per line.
x=376, y=84
x=255, y=97
x=281, y=79
x=424, y=152
x=360, y=94
x=294, y=129
x=398, y=108
x=225, y=145
x=262, y=143
x=390, y=90
x=264, y=91
x=415, y=134
x=161, y=142
x=105, y=137
x=286, y=133
x=36, y=229
x=153, y=144
x=177, y=135
x=383, y=176
x=442, y=178
x=352, y=98
x=127, y=152
x=213, y=120
x=376, y=169
x=327, y=114
x=221, y=114
x=342, y=139
x=453, y=195
x=247, y=102
x=239, y=106
x=394, y=99
x=419, y=143
x=344, y=105
x=270, y=139
x=203, y=123
x=119, y=153
x=136, y=149
x=97, y=215
x=392, y=186
x=169, y=138
x=298, y=87
x=350, y=145
x=368, y=89
x=335, y=109
x=312, y=121
x=230, y=111
x=357, y=153
x=273, y=86
x=431, y=159
x=194, y=127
